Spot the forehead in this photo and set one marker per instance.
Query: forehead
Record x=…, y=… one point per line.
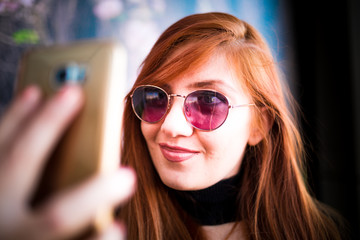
x=215, y=73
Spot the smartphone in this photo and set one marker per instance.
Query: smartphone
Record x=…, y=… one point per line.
x=91, y=145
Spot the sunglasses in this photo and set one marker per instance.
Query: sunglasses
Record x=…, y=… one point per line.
x=203, y=109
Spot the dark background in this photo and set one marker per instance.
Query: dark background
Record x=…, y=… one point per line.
x=327, y=55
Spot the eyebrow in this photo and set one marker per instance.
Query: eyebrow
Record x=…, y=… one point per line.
x=211, y=83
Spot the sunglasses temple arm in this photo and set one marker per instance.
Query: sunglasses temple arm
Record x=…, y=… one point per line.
x=242, y=105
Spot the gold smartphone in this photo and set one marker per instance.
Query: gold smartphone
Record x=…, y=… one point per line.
x=91, y=145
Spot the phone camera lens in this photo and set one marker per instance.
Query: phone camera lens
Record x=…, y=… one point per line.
x=60, y=76
x=70, y=74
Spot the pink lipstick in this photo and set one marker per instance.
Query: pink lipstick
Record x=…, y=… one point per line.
x=175, y=153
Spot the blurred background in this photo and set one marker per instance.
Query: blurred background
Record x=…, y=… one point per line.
x=317, y=47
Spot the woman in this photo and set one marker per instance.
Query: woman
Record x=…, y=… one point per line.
x=208, y=131
x=209, y=114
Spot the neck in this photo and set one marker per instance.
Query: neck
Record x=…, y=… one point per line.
x=228, y=231
x=214, y=205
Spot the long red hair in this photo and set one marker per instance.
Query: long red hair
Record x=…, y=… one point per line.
x=274, y=200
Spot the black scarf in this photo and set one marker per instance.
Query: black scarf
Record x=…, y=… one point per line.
x=215, y=205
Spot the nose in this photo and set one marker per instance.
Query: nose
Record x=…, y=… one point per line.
x=175, y=123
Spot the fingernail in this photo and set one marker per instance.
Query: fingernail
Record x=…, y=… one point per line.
x=31, y=94
x=126, y=181
x=69, y=94
x=127, y=174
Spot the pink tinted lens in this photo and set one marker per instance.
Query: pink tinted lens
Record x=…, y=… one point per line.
x=150, y=103
x=206, y=110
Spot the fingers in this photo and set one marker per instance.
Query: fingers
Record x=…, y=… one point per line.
x=28, y=133
x=115, y=231
x=71, y=212
x=19, y=111
x=24, y=105
x=31, y=147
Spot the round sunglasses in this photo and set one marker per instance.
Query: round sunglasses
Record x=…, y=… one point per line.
x=204, y=109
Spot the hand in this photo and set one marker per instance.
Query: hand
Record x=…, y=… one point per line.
x=28, y=132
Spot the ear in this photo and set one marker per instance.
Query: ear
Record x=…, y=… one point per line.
x=260, y=129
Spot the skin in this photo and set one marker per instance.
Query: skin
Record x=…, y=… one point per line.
x=190, y=159
x=240, y=232
x=28, y=131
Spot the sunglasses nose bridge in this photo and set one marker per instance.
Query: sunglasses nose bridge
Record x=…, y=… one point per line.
x=173, y=123
x=183, y=104
x=176, y=95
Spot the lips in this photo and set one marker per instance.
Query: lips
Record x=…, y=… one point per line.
x=176, y=153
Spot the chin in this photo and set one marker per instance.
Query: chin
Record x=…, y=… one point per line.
x=180, y=187
x=181, y=184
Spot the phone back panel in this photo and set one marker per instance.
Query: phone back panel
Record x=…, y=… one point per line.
x=91, y=145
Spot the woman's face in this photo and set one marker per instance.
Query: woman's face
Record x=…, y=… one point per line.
x=190, y=159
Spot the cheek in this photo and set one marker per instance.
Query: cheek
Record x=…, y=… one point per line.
x=229, y=141
x=227, y=145
x=237, y=126
x=149, y=132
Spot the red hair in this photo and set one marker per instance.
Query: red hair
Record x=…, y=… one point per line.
x=274, y=200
